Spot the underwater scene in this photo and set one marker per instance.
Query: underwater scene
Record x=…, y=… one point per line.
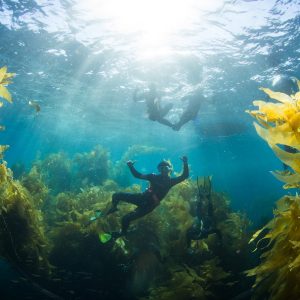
x=149, y=150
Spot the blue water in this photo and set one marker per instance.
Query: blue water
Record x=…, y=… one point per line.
x=82, y=60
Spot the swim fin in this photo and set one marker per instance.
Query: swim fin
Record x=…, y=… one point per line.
x=104, y=237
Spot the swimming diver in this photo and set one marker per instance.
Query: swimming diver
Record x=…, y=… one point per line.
x=204, y=221
x=190, y=112
x=160, y=184
x=154, y=109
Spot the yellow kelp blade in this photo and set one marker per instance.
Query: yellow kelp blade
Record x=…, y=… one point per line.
x=278, y=135
x=271, y=111
x=291, y=179
x=297, y=96
x=298, y=83
x=4, y=76
x=256, y=234
x=295, y=263
x=281, y=97
x=2, y=149
x=294, y=121
x=283, y=204
x=290, y=159
x=3, y=71
x=8, y=76
x=4, y=93
x=296, y=244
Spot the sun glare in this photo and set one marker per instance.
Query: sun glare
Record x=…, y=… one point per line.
x=155, y=22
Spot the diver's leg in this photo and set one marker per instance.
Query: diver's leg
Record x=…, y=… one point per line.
x=165, y=122
x=134, y=215
x=166, y=109
x=126, y=197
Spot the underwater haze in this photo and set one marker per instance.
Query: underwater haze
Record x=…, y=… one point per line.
x=81, y=62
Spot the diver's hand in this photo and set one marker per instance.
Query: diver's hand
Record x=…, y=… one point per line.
x=184, y=159
x=130, y=163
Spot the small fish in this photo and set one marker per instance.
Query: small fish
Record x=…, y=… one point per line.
x=35, y=105
x=98, y=214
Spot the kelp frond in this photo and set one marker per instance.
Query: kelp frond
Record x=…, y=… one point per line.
x=5, y=79
x=278, y=274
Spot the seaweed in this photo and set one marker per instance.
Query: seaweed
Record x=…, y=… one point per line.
x=151, y=261
x=91, y=168
x=277, y=275
x=183, y=283
x=5, y=79
x=278, y=272
x=22, y=230
x=278, y=124
x=55, y=171
x=36, y=187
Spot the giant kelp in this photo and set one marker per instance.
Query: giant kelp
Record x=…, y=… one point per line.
x=67, y=198
x=211, y=256
x=278, y=124
x=277, y=276
x=56, y=171
x=22, y=231
x=35, y=185
x=91, y=168
x=5, y=79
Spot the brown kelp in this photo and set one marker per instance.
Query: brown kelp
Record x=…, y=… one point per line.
x=278, y=273
x=91, y=168
x=5, y=79
x=22, y=230
x=142, y=261
x=22, y=237
x=55, y=170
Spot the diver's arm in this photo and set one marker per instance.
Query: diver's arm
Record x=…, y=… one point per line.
x=185, y=172
x=134, y=172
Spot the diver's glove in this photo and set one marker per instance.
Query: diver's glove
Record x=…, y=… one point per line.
x=130, y=163
x=184, y=159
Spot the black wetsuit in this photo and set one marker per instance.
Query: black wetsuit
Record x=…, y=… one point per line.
x=191, y=111
x=147, y=201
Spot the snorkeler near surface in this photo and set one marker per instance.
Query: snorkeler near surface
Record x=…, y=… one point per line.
x=154, y=109
x=160, y=184
x=190, y=112
x=204, y=220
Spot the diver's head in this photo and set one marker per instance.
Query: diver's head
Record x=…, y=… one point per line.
x=164, y=167
x=284, y=84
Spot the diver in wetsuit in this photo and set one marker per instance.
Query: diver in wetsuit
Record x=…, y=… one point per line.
x=190, y=112
x=160, y=184
x=154, y=109
x=204, y=222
